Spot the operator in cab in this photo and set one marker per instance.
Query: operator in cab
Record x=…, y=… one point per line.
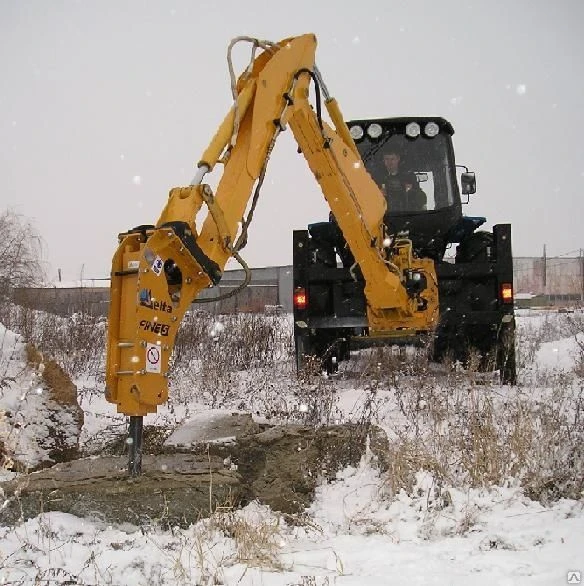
x=401, y=188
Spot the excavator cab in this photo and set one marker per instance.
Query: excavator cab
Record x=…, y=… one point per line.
x=413, y=159
x=423, y=147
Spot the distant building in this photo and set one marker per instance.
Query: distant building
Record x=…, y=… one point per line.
x=553, y=281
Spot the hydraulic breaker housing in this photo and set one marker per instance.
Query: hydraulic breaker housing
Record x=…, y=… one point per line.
x=156, y=274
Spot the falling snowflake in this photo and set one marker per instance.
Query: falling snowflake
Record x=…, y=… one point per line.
x=216, y=329
x=456, y=100
x=137, y=180
x=356, y=40
x=521, y=89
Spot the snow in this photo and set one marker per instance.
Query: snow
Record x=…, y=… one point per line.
x=27, y=413
x=468, y=534
x=358, y=530
x=524, y=296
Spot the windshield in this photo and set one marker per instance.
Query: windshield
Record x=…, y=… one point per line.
x=414, y=174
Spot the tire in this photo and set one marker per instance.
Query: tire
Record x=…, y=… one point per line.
x=324, y=348
x=506, y=360
x=331, y=364
x=303, y=351
x=476, y=248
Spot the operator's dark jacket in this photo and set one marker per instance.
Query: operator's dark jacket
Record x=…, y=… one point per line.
x=399, y=198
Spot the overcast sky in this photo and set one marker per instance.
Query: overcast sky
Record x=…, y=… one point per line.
x=104, y=106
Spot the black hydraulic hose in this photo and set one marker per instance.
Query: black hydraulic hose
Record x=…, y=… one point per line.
x=235, y=291
x=317, y=91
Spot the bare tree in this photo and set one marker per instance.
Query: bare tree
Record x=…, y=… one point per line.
x=20, y=253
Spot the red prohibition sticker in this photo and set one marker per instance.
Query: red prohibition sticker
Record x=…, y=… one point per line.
x=153, y=357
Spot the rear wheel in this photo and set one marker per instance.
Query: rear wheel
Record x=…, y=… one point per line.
x=506, y=360
x=322, y=350
x=304, y=351
x=496, y=348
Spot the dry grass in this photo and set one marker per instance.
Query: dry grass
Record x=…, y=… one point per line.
x=478, y=435
x=257, y=540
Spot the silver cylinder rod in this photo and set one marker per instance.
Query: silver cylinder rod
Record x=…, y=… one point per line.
x=201, y=172
x=321, y=83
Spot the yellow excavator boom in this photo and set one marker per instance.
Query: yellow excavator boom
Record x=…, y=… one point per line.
x=157, y=271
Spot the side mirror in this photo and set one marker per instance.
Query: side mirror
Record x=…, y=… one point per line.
x=468, y=183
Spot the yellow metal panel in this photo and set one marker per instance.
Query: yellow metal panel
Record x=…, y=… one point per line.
x=146, y=310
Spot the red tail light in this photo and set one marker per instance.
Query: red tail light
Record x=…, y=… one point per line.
x=506, y=293
x=300, y=299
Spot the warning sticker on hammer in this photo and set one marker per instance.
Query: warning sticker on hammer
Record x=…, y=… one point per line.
x=153, y=358
x=157, y=266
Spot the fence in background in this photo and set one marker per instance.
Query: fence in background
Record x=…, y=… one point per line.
x=538, y=281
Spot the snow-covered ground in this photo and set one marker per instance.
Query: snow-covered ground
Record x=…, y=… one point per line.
x=362, y=529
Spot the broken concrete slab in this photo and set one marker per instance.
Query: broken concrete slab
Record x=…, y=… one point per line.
x=213, y=426
x=280, y=466
x=173, y=490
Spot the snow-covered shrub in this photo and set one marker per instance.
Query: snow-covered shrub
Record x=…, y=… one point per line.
x=76, y=343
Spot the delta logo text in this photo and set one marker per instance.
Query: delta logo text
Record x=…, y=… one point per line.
x=145, y=300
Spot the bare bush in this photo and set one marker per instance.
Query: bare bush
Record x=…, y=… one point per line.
x=536, y=330
x=214, y=355
x=76, y=343
x=234, y=342
x=314, y=394
x=20, y=253
x=575, y=328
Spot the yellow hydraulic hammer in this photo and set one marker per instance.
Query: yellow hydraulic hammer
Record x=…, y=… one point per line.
x=156, y=274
